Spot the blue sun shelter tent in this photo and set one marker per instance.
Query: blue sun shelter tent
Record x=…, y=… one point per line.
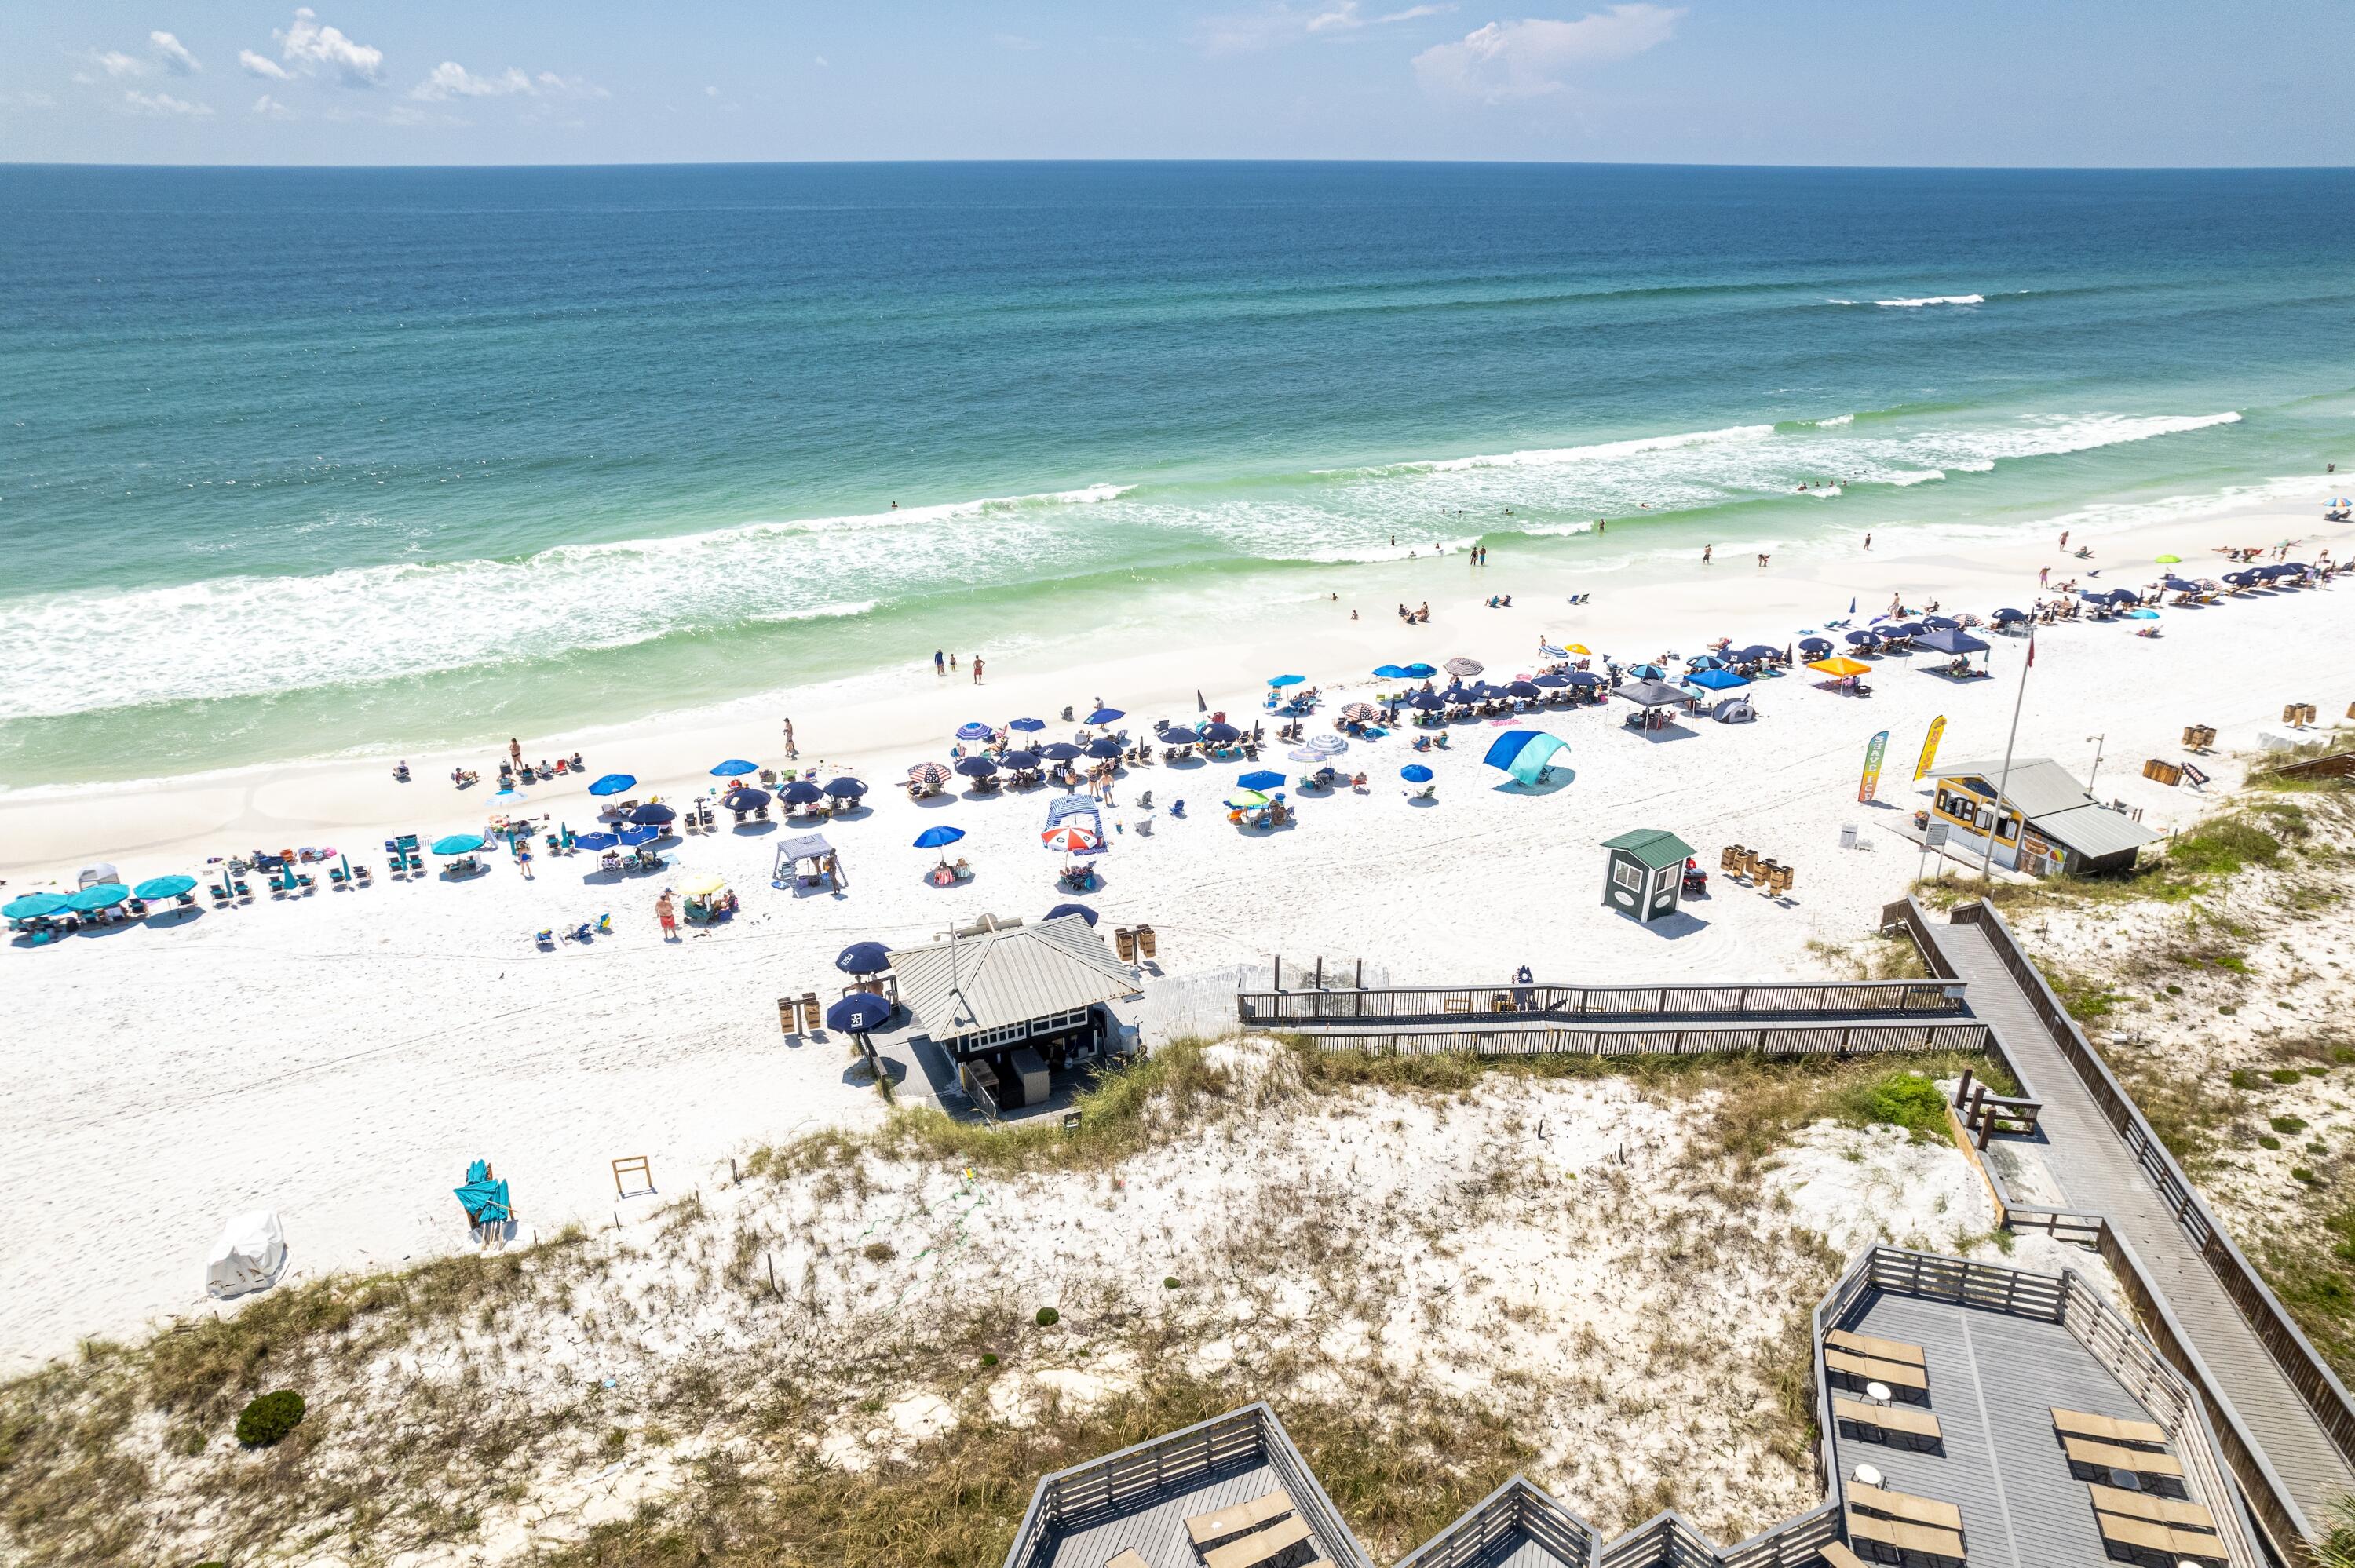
x=1647, y=873
x=1526, y=754
x=483, y=1198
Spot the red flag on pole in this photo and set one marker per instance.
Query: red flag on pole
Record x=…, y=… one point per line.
x=2031, y=651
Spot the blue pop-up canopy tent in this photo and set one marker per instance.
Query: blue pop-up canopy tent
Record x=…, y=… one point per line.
x=1524, y=753
x=1262, y=778
x=1954, y=641
x=1715, y=680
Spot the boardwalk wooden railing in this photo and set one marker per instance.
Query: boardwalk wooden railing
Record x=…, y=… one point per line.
x=1517, y=1508
x=1679, y=1040
x=1697, y=1004
x=2290, y=1349
x=1189, y=1458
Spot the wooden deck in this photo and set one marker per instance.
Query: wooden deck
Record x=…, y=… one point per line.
x=1993, y=1380
x=2167, y=1230
x=1140, y=1499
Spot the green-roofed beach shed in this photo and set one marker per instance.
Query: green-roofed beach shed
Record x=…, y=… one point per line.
x=1647, y=873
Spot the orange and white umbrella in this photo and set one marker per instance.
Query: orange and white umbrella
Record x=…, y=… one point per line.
x=1068, y=840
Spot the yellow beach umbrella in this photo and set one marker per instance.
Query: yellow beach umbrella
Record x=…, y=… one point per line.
x=1838, y=665
x=703, y=884
x=1579, y=648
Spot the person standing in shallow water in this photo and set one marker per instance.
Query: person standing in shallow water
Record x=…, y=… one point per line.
x=940, y=662
x=976, y=669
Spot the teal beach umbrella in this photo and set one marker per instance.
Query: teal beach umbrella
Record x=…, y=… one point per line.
x=458, y=843
x=164, y=887
x=97, y=896
x=32, y=905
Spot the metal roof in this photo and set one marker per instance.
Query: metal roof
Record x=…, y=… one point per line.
x=2037, y=784
x=1655, y=847
x=2093, y=831
x=1008, y=976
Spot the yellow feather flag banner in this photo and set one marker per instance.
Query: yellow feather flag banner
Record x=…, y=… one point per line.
x=1871, y=781
x=1930, y=745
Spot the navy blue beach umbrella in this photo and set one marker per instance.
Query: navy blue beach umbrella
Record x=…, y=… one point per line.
x=1081, y=910
x=859, y=1013
x=1105, y=747
x=1059, y=751
x=863, y=958
x=802, y=792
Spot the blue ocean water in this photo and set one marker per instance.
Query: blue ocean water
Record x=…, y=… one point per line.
x=293, y=461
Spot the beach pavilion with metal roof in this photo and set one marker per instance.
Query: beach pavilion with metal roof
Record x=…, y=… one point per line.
x=1015, y=1001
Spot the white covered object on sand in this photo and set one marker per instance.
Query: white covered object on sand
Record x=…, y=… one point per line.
x=251, y=1250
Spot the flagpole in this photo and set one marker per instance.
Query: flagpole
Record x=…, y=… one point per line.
x=2003, y=782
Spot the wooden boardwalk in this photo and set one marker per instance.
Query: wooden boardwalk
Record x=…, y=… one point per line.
x=2099, y=1174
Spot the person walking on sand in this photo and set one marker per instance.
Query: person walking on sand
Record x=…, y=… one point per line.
x=2064, y=538
x=976, y=669
x=666, y=917
x=514, y=749
x=791, y=751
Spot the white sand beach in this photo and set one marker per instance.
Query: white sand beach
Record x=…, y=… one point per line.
x=341, y=1056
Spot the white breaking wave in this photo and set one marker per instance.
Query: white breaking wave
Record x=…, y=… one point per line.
x=249, y=636
x=1932, y=300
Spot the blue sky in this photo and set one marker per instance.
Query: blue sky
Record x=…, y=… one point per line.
x=2099, y=82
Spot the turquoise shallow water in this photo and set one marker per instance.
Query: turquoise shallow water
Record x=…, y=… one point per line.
x=293, y=461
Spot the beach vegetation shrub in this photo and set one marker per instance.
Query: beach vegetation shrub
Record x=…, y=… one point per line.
x=2288, y=1124
x=878, y=1252
x=267, y=1419
x=1904, y=1099
x=2301, y=1173
x=2285, y=1074
x=1047, y=1317
x=2267, y=1141
x=2247, y=1080
x=1171, y=1283
x=989, y=1358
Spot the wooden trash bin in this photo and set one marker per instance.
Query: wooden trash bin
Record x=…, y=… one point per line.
x=1123, y=942
x=2199, y=736
x=2166, y=773
x=1783, y=876
x=1751, y=864
x=1144, y=948
x=787, y=1010
x=812, y=1020
x=1729, y=859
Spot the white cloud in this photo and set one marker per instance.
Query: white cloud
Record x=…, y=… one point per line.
x=1529, y=59
x=262, y=66
x=820, y=58
x=270, y=108
x=1285, y=24
x=1347, y=17
x=164, y=105
x=176, y=58
x=12, y=101
x=115, y=64
x=710, y=92
x=314, y=47
x=1015, y=41
x=449, y=80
